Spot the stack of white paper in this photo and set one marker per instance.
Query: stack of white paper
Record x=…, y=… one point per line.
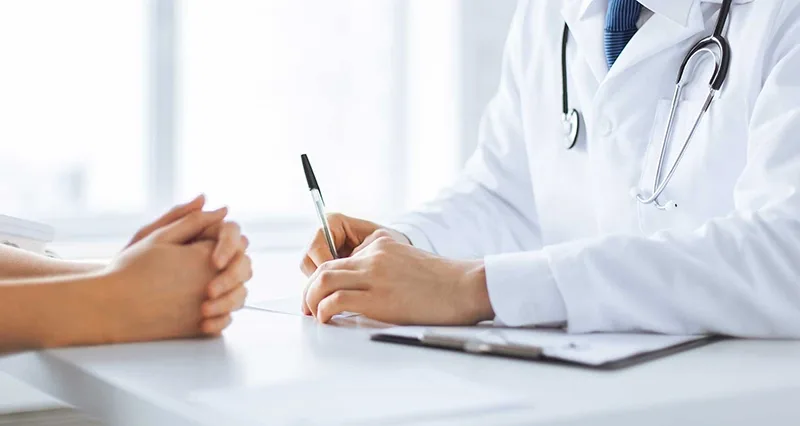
x=287, y=305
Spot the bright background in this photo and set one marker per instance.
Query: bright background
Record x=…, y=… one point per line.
x=111, y=111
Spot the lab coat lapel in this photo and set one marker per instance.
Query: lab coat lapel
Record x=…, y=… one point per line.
x=657, y=34
x=588, y=35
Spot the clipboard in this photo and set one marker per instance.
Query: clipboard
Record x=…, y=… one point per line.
x=438, y=338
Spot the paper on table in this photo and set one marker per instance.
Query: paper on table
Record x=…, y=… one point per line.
x=590, y=349
x=287, y=305
x=369, y=398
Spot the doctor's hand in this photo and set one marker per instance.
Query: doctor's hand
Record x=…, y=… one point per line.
x=396, y=283
x=158, y=286
x=350, y=235
x=229, y=254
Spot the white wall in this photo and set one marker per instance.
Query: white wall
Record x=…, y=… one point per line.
x=483, y=29
x=453, y=59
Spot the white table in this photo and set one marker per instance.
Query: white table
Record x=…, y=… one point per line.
x=732, y=383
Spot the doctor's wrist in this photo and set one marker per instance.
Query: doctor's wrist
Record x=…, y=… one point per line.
x=475, y=295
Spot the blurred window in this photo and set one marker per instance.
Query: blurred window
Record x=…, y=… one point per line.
x=110, y=111
x=71, y=108
x=264, y=81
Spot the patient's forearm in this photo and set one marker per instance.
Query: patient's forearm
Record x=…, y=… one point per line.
x=16, y=263
x=51, y=312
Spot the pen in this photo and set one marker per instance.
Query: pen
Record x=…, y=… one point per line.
x=319, y=204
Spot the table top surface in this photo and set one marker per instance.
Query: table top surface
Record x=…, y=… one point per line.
x=155, y=380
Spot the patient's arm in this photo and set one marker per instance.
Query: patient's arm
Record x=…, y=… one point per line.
x=51, y=311
x=17, y=264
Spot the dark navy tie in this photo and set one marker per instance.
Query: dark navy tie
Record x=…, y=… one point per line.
x=621, y=21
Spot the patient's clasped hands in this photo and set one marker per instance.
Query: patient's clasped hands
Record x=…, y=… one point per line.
x=181, y=276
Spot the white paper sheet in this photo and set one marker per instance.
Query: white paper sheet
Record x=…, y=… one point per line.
x=374, y=397
x=287, y=305
x=589, y=349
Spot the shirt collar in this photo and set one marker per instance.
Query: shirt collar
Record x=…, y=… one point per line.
x=676, y=10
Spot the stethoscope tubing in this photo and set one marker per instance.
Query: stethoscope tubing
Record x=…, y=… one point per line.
x=709, y=45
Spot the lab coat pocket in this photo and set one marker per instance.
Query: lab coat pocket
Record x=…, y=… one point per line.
x=691, y=187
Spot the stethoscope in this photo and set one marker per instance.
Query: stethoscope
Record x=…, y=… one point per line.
x=717, y=46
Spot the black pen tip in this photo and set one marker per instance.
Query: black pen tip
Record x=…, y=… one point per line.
x=310, y=178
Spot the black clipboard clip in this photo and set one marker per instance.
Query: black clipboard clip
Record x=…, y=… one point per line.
x=481, y=347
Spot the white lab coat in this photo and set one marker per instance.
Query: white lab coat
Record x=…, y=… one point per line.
x=562, y=238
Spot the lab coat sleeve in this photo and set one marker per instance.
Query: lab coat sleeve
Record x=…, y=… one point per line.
x=490, y=208
x=736, y=275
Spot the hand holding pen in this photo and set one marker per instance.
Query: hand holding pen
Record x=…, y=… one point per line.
x=339, y=235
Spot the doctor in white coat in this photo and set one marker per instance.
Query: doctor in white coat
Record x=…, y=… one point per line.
x=535, y=233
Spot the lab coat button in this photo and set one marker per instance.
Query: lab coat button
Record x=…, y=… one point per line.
x=604, y=127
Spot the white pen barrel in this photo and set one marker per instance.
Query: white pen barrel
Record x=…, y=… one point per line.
x=323, y=219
